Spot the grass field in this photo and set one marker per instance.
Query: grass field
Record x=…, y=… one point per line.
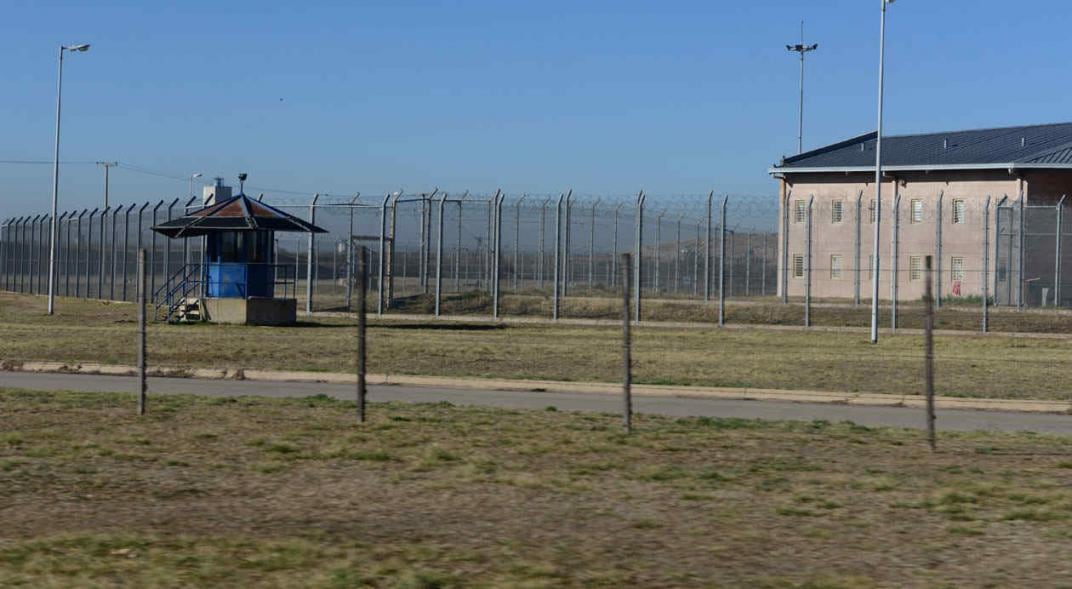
x=979, y=366
x=281, y=493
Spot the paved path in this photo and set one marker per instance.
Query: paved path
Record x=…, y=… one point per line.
x=961, y=420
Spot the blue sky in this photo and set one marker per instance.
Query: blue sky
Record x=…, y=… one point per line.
x=676, y=97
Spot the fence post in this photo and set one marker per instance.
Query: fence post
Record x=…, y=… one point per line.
x=658, y=247
x=152, y=251
x=439, y=256
x=382, y=254
x=517, y=242
x=677, y=255
x=186, y=241
x=707, y=250
x=938, y=251
x=540, y=245
x=722, y=263
x=458, y=247
x=895, y=250
x=167, y=243
x=592, y=246
x=696, y=261
x=856, y=251
x=142, y=381
x=558, y=261
x=362, y=354
x=89, y=247
x=784, y=278
x=748, y=264
x=627, y=345
x=4, y=252
x=808, y=265
x=567, y=267
x=637, y=273
x=100, y=252
x=68, y=256
x=310, y=260
x=763, y=267
x=33, y=246
x=1020, y=273
x=614, y=247
x=928, y=354
x=392, y=247
x=111, y=282
x=1057, y=257
x=126, y=245
x=986, y=265
x=497, y=252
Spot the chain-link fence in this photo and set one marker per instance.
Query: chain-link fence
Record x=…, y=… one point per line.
x=556, y=255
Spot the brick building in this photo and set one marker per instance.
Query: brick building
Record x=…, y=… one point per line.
x=934, y=196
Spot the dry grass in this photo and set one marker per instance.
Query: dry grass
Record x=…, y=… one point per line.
x=977, y=366
x=281, y=493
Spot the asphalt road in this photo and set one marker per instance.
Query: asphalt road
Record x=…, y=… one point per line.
x=959, y=420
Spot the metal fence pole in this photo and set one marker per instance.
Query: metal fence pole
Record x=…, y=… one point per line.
x=986, y=265
x=152, y=251
x=763, y=267
x=382, y=255
x=186, y=241
x=637, y=263
x=126, y=245
x=627, y=345
x=100, y=253
x=350, y=255
x=89, y=249
x=895, y=250
x=722, y=263
x=439, y=256
x=311, y=261
x=392, y=248
x=32, y=245
x=1020, y=274
x=938, y=251
x=138, y=245
x=458, y=248
x=696, y=261
x=928, y=353
x=540, y=246
x=4, y=252
x=677, y=255
x=592, y=247
x=1057, y=256
x=658, y=248
x=808, y=264
x=748, y=264
x=614, y=246
x=784, y=278
x=111, y=282
x=362, y=353
x=558, y=262
x=143, y=386
x=495, y=266
x=707, y=250
x=517, y=242
x=567, y=271
x=167, y=243
x=856, y=251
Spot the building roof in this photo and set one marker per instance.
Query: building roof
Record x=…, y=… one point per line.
x=1034, y=146
x=238, y=213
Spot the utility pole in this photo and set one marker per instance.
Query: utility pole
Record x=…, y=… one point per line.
x=107, y=167
x=803, y=50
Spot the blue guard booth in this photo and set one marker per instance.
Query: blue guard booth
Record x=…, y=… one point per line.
x=238, y=280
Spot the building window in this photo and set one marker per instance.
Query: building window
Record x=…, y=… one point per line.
x=800, y=209
x=915, y=267
x=835, y=266
x=958, y=211
x=917, y=210
x=956, y=268
x=873, y=212
x=798, y=266
x=837, y=211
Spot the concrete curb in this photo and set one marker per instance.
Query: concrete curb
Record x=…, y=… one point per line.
x=872, y=399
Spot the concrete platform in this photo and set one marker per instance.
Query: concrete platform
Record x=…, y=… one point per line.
x=251, y=311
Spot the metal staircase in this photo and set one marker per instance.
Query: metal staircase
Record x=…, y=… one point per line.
x=179, y=300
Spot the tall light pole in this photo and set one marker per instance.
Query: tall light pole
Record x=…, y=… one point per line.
x=107, y=166
x=803, y=50
x=56, y=180
x=878, y=172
